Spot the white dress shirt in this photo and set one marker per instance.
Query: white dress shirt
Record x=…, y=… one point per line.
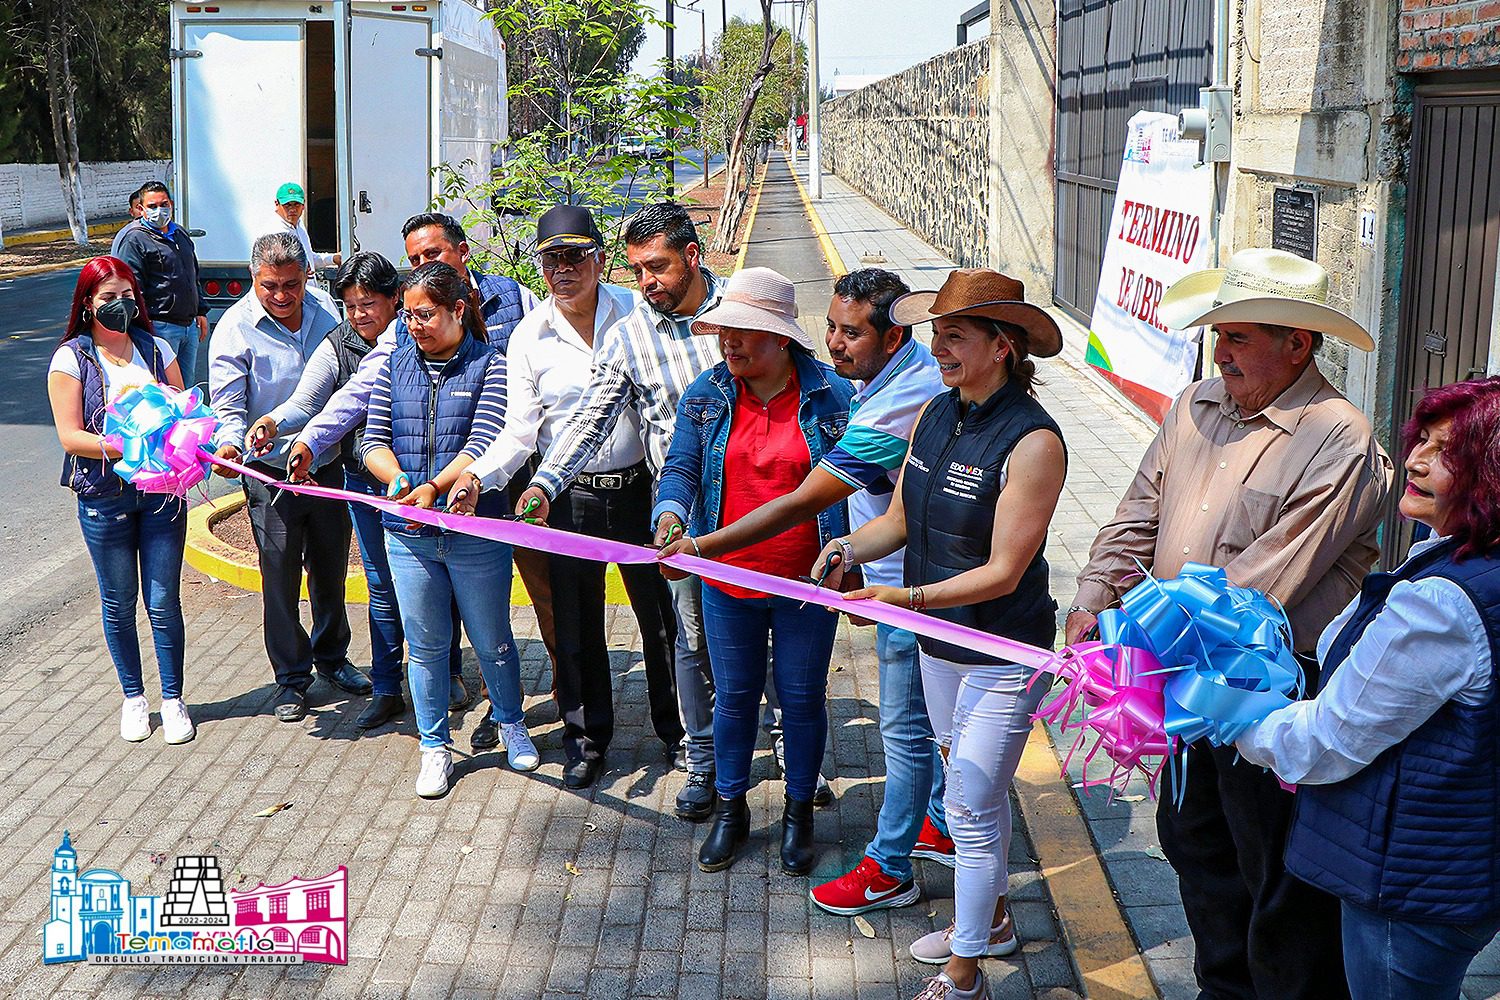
x=550, y=365
x=315, y=261
x=1426, y=647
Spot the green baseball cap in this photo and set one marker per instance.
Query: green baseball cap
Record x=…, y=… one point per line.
x=289, y=192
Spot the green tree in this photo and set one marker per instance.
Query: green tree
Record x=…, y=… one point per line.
x=565, y=151
x=736, y=57
x=740, y=85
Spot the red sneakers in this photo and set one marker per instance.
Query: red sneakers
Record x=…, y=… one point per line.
x=933, y=846
x=865, y=888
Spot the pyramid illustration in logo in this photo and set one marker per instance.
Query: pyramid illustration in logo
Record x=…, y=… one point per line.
x=196, y=896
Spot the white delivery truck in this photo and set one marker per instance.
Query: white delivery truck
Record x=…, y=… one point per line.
x=356, y=101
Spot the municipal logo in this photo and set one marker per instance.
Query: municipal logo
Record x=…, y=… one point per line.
x=96, y=918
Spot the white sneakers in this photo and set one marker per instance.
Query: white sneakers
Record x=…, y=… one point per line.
x=135, y=721
x=432, y=779
x=936, y=948
x=519, y=750
x=176, y=727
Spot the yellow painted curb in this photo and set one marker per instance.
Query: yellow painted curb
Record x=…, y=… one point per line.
x=759, y=184
x=689, y=189
x=52, y=235
x=63, y=265
x=223, y=562
x=830, y=252
x=1109, y=962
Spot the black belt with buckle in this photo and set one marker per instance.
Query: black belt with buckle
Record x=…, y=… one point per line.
x=612, y=480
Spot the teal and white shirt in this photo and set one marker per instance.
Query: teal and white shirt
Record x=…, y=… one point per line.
x=869, y=455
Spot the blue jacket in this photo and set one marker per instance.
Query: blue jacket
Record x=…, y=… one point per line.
x=692, y=482
x=500, y=304
x=166, y=264
x=431, y=420
x=1415, y=835
x=93, y=477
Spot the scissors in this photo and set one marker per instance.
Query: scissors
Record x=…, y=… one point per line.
x=828, y=564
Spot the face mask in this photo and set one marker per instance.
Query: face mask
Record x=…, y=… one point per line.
x=117, y=314
x=157, y=217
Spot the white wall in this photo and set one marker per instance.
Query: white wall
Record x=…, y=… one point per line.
x=31, y=194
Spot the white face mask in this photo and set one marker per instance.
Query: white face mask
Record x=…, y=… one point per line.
x=158, y=217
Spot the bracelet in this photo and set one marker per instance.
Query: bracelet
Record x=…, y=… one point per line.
x=1080, y=607
x=915, y=599
x=696, y=551
x=435, y=490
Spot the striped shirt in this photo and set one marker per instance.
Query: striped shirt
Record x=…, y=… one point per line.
x=648, y=359
x=489, y=412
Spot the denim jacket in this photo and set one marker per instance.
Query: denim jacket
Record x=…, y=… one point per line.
x=691, y=484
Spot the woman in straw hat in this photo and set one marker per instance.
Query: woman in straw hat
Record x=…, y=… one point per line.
x=749, y=430
x=977, y=493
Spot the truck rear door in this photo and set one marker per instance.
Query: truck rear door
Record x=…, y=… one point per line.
x=242, y=129
x=390, y=127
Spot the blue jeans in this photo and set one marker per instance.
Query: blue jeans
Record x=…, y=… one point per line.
x=136, y=540
x=1386, y=958
x=386, y=636
x=430, y=572
x=801, y=646
x=913, y=766
x=183, y=340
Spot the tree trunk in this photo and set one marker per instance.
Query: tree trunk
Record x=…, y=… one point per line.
x=65, y=121
x=739, y=167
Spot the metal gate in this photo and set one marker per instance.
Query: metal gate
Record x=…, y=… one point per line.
x=1114, y=58
x=1452, y=238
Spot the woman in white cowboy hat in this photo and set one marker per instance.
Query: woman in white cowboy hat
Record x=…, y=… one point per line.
x=976, y=495
x=749, y=430
x=1270, y=474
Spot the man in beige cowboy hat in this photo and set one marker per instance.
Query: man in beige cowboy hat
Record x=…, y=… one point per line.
x=1270, y=473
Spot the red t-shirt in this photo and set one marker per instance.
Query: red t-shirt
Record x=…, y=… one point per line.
x=766, y=457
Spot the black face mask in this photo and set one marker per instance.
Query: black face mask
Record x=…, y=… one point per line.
x=117, y=314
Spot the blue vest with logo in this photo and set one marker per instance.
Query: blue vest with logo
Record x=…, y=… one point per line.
x=93, y=477
x=431, y=418
x=1416, y=834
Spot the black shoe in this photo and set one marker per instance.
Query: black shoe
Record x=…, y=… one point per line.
x=291, y=704
x=822, y=794
x=797, y=853
x=695, y=803
x=677, y=754
x=347, y=677
x=582, y=773
x=458, y=695
x=381, y=709
x=486, y=735
x=726, y=835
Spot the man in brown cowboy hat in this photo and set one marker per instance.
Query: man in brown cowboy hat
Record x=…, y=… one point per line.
x=1270, y=473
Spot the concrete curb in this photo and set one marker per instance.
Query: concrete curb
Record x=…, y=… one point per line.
x=213, y=558
x=22, y=272
x=830, y=252
x=716, y=171
x=51, y=235
x=1110, y=965
x=758, y=182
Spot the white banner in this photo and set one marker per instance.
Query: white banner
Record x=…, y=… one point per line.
x=1159, y=231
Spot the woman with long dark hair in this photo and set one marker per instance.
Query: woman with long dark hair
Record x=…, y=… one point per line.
x=110, y=348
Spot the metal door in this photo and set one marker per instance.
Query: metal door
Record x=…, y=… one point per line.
x=1446, y=323
x=1115, y=57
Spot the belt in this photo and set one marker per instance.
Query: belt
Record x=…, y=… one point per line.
x=616, y=480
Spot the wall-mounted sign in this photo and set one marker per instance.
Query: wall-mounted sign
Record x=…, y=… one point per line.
x=1294, y=222
x=1367, y=228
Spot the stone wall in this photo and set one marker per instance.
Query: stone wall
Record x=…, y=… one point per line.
x=31, y=194
x=918, y=143
x=1448, y=34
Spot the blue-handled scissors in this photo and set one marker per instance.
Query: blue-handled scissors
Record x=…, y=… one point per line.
x=828, y=564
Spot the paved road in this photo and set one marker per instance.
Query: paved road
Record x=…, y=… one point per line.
x=687, y=173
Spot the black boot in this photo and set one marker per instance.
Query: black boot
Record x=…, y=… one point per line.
x=797, y=837
x=726, y=834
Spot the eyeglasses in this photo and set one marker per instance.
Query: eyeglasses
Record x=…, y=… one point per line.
x=551, y=260
x=419, y=317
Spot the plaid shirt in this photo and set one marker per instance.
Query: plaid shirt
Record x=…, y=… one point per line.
x=647, y=359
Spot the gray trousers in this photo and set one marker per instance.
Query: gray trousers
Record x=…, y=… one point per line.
x=695, y=679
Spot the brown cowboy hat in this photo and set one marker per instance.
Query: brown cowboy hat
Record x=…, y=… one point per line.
x=978, y=291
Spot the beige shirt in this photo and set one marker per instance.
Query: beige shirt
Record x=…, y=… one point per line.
x=1287, y=501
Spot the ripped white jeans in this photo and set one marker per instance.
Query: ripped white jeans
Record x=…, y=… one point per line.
x=983, y=716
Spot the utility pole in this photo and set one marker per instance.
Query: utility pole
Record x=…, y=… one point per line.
x=692, y=5
x=814, y=160
x=672, y=141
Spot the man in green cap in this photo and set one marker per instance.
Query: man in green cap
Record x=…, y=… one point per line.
x=291, y=202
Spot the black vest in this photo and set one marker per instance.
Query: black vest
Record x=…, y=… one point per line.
x=1414, y=835
x=949, y=488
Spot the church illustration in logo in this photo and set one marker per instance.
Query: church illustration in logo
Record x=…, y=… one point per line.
x=96, y=913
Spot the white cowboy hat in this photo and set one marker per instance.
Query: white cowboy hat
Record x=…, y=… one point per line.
x=757, y=298
x=1260, y=286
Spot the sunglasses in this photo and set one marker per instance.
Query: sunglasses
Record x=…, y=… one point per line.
x=551, y=260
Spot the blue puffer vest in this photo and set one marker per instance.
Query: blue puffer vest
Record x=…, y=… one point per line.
x=499, y=305
x=1415, y=835
x=93, y=477
x=949, y=489
x=431, y=420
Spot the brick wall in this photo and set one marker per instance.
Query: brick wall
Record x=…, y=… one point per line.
x=31, y=194
x=917, y=143
x=1448, y=34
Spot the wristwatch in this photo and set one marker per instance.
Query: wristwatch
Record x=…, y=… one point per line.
x=1080, y=607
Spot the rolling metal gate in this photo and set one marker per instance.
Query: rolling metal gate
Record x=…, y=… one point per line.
x=1114, y=58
